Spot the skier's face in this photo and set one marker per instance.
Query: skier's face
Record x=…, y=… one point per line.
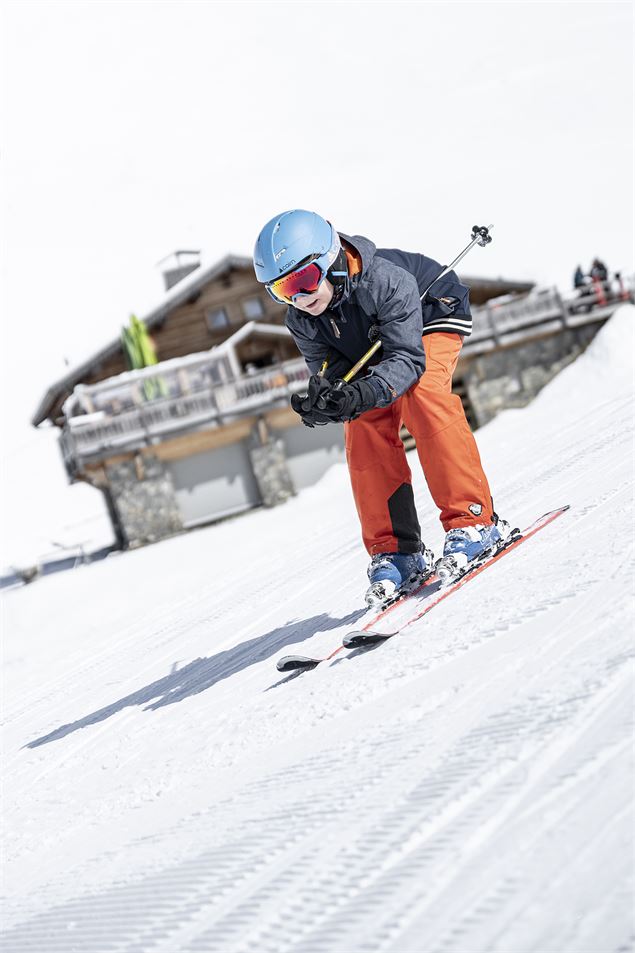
x=317, y=302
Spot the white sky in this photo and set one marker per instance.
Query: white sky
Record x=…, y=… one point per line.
x=132, y=128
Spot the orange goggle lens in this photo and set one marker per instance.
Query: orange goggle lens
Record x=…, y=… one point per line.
x=304, y=281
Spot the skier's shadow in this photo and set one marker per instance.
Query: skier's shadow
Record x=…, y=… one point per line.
x=203, y=673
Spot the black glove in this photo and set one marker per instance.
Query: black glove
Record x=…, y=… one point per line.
x=350, y=400
x=310, y=407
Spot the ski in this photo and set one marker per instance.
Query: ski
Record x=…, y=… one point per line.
x=364, y=638
x=432, y=593
x=294, y=663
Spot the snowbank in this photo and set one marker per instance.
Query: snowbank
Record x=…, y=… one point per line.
x=606, y=369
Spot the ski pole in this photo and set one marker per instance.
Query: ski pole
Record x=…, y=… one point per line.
x=363, y=360
x=353, y=371
x=480, y=236
x=355, y=368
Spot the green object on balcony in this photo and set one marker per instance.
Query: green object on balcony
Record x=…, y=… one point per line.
x=139, y=352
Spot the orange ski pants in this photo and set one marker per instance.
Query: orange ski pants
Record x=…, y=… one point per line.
x=380, y=476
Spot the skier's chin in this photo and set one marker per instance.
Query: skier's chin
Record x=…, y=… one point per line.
x=316, y=310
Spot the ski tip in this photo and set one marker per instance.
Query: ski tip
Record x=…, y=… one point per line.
x=557, y=512
x=292, y=663
x=356, y=640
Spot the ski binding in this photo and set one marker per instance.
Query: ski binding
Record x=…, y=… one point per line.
x=450, y=570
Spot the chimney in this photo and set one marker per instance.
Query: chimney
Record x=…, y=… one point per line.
x=178, y=265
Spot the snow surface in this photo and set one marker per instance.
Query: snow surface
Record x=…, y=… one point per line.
x=464, y=788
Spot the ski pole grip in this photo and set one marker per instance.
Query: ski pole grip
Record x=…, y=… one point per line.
x=481, y=235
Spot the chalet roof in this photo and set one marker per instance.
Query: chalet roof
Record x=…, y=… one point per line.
x=190, y=285
x=176, y=296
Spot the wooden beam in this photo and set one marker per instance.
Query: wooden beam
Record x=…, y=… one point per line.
x=202, y=441
x=282, y=417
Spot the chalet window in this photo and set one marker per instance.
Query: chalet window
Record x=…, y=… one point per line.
x=216, y=318
x=253, y=309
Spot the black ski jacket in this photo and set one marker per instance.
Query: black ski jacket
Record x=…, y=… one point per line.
x=383, y=301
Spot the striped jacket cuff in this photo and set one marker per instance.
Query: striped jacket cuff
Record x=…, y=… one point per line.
x=452, y=323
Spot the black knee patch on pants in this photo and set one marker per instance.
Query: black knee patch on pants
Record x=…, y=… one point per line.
x=404, y=520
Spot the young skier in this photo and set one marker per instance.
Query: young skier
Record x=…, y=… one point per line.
x=343, y=294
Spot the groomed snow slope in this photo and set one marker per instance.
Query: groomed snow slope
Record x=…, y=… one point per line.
x=464, y=788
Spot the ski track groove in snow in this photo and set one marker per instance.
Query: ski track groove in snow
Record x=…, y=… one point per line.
x=94, y=671
x=453, y=808
x=566, y=595
x=157, y=635
x=464, y=787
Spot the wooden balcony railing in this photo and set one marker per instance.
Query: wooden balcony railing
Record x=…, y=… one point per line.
x=140, y=407
x=123, y=416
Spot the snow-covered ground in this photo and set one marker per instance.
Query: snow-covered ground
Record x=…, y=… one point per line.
x=464, y=788
x=48, y=520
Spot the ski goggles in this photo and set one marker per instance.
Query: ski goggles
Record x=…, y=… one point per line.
x=304, y=281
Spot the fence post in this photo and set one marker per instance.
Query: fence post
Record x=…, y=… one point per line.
x=564, y=311
x=492, y=322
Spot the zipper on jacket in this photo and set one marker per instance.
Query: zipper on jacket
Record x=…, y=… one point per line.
x=336, y=330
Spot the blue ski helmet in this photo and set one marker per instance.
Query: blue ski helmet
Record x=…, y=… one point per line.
x=292, y=238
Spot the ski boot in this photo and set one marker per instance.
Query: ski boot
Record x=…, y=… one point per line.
x=394, y=574
x=466, y=546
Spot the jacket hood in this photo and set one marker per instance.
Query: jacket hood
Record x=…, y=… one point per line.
x=366, y=250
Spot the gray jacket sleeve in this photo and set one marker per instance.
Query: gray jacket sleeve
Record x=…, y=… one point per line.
x=395, y=299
